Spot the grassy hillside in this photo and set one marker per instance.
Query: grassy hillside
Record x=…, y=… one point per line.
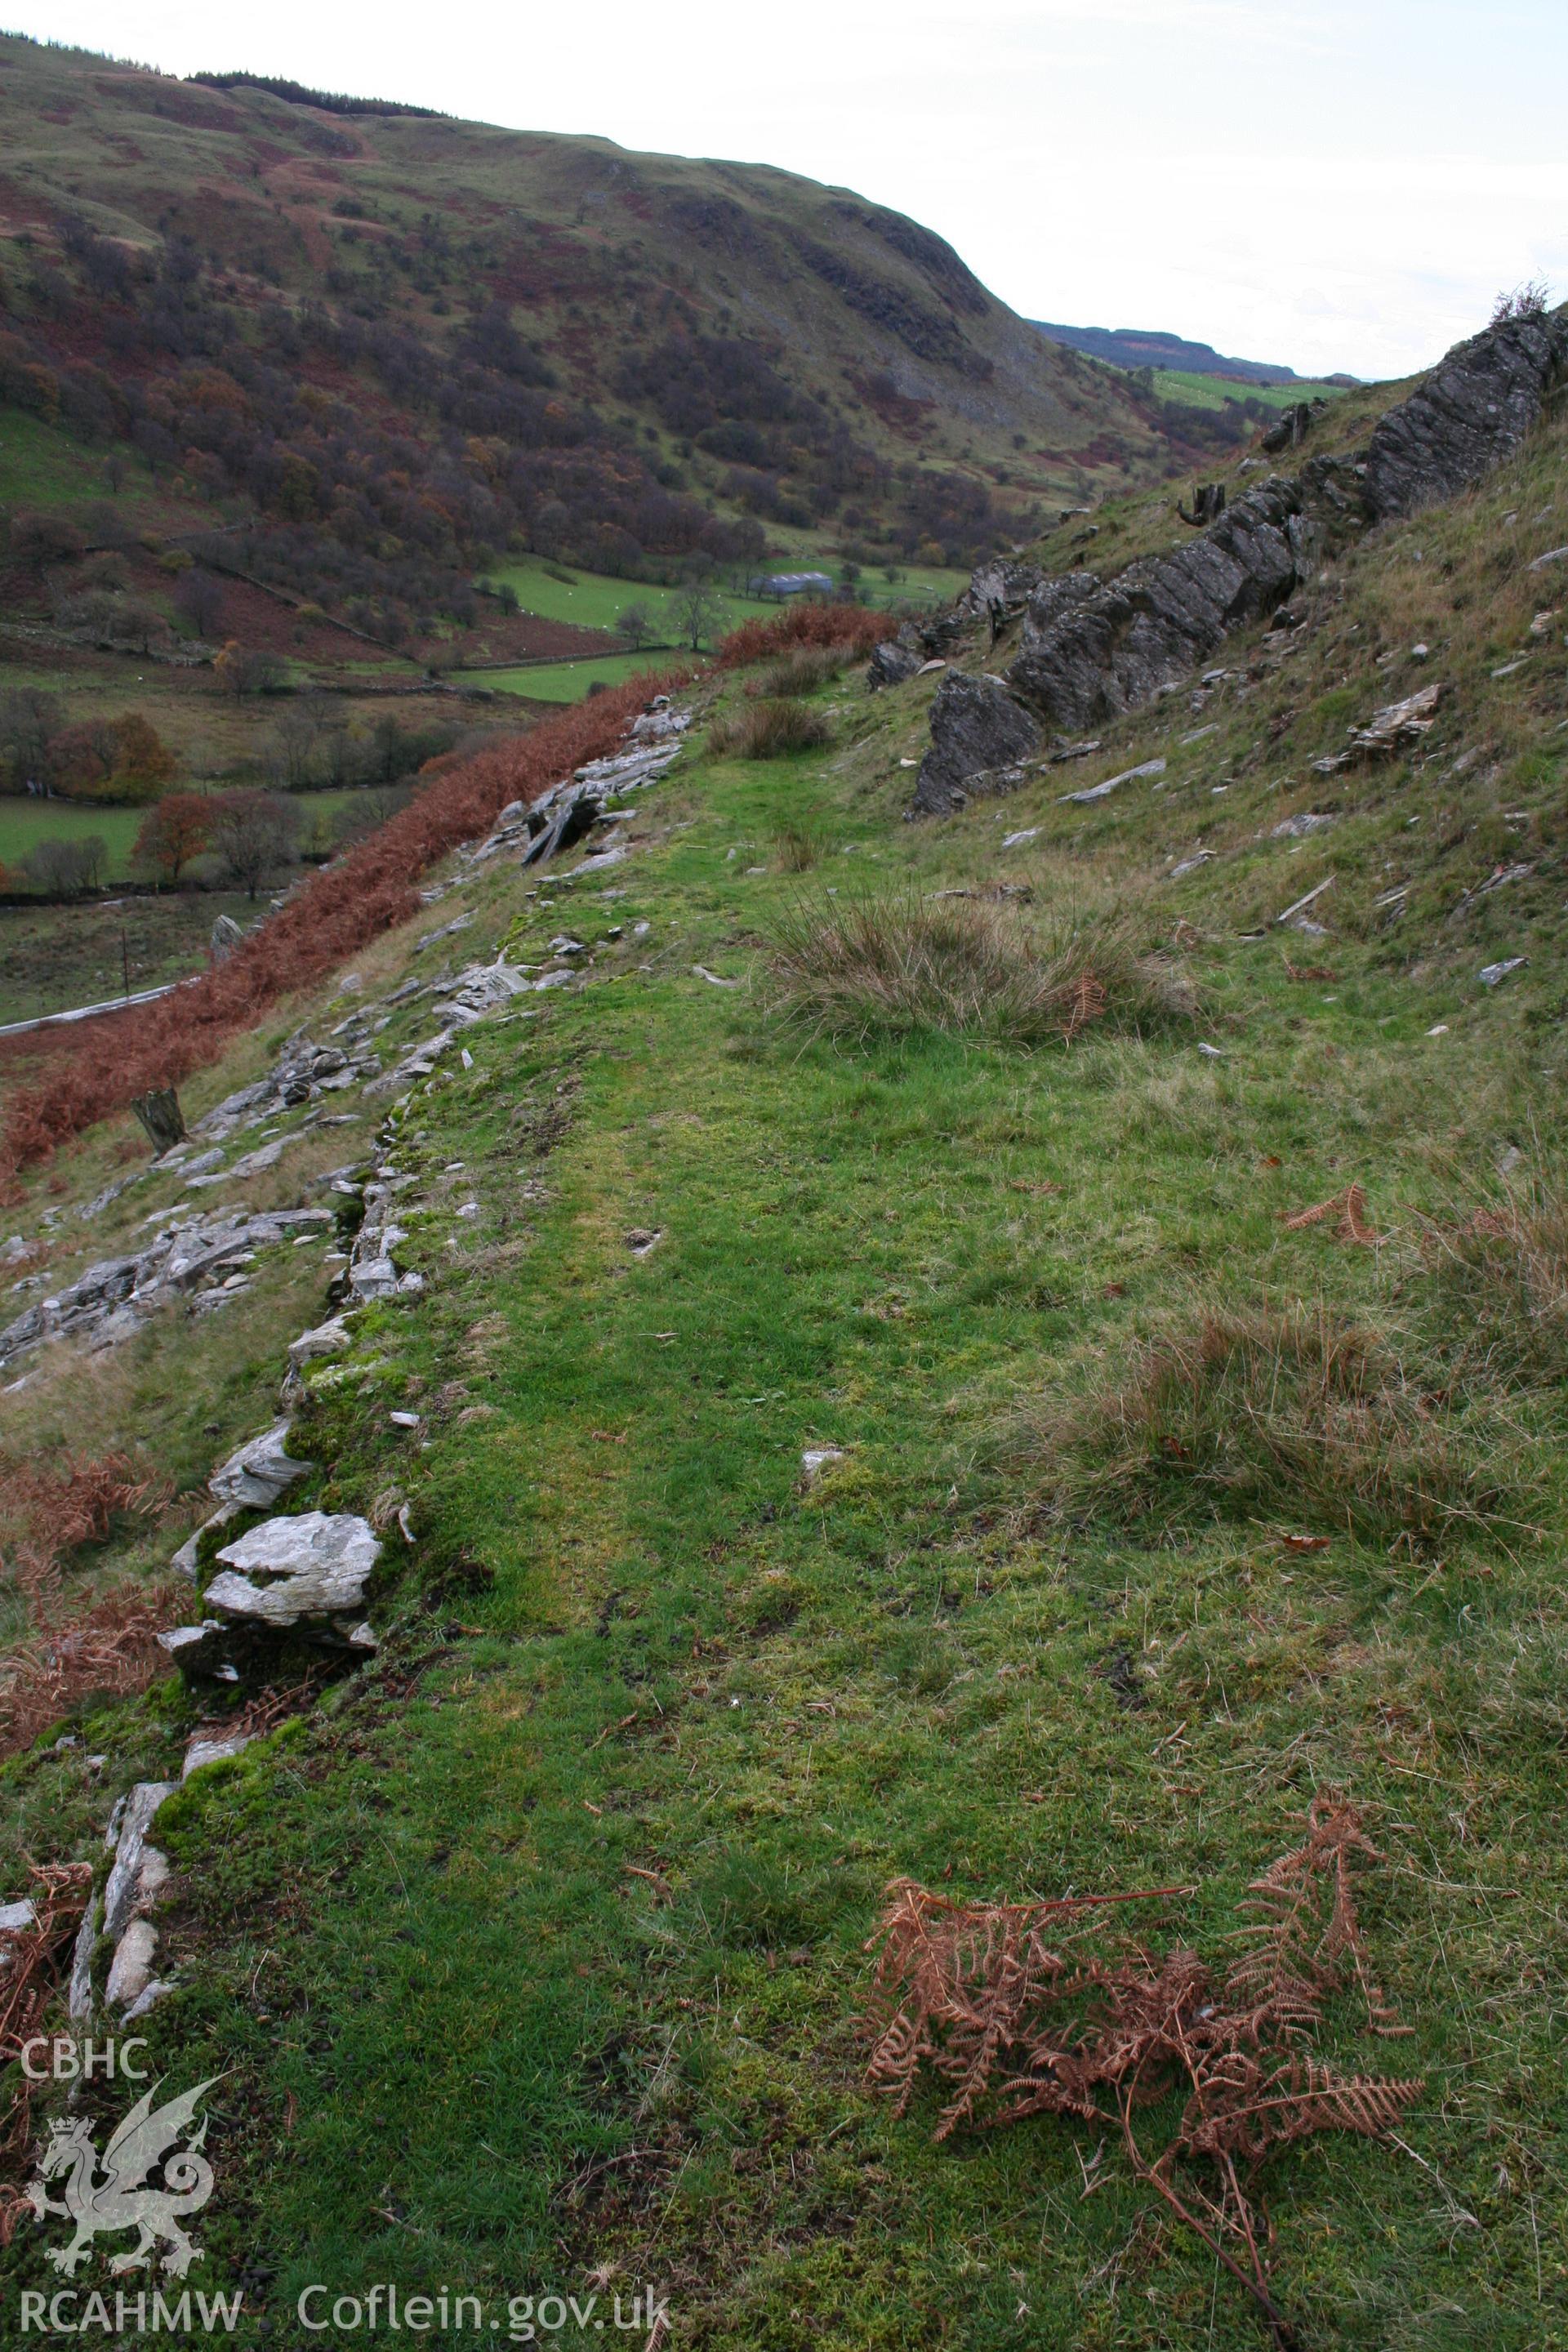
x=532, y=1954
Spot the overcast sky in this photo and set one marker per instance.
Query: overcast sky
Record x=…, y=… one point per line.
x=1328, y=184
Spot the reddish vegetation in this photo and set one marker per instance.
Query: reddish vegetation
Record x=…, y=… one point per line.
x=332, y=917
x=44, y=1516
x=348, y=904
x=38, y=1957
x=804, y=624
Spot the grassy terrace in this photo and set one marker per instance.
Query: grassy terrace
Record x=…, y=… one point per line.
x=535, y=1955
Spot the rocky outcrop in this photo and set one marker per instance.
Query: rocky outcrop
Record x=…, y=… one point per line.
x=303, y=1072
x=1094, y=648
x=979, y=736
x=260, y=1474
x=202, y=1258
x=1473, y=411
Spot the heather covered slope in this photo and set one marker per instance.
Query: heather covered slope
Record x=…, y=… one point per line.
x=1171, y=1290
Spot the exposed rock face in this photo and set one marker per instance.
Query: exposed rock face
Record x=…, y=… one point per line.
x=112, y=1298
x=125, y=1889
x=978, y=732
x=1093, y=648
x=1472, y=412
x=316, y=1564
x=303, y=1072
x=889, y=664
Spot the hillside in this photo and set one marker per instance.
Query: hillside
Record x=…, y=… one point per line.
x=375, y=343
x=1020, y=1351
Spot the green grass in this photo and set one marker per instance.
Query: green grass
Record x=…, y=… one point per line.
x=25, y=822
x=539, y=1948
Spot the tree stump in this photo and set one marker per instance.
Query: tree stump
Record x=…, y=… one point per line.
x=159, y=1112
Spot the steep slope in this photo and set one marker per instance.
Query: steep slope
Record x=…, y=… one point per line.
x=1015, y=1351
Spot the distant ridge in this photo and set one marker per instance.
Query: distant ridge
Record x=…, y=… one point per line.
x=1135, y=347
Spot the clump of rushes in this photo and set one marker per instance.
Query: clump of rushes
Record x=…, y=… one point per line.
x=906, y=963
x=767, y=731
x=796, y=847
x=1301, y=1414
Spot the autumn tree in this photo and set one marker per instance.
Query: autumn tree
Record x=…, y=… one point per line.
x=253, y=833
x=246, y=669
x=178, y=829
x=142, y=761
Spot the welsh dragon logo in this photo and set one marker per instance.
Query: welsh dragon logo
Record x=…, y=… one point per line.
x=121, y=2197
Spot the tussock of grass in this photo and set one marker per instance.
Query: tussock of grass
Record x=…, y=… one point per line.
x=1500, y=1287
x=1297, y=1414
x=767, y=731
x=796, y=847
x=905, y=964
x=800, y=671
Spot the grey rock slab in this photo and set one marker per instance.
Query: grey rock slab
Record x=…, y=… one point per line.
x=890, y=665
x=198, y=1651
x=332, y=1337
x=15, y=1918
x=1472, y=411
x=79, y=1987
x=131, y=1970
x=1112, y=783
x=318, y=1563
x=119, y=1894
x=148, y=1998
x=255, y=1475
x=202, y=1752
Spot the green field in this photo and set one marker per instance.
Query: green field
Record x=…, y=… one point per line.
x=24, y=822
x=596, y=601
x=569, y=681
x=1212, y=391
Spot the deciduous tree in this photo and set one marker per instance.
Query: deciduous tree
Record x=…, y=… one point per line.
x=178, y=830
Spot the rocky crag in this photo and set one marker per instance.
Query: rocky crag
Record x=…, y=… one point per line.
x=1090, y=649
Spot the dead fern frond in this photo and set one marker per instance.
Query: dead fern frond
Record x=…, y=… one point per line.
x=1015, y=2005
x=36, y=1956
x=1348, y=1210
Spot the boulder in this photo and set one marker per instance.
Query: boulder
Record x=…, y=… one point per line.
x=315, y=1564
x=889, y=664
x=254, y=1477
x=978, y=732
x=332, y=1337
